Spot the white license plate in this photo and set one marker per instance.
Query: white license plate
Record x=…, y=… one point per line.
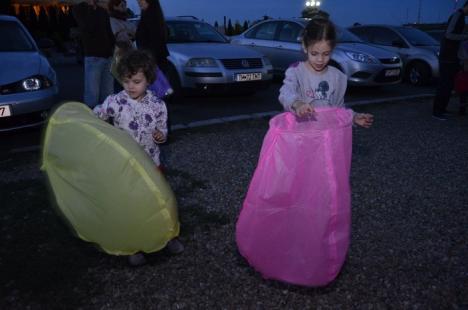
x=5, y=111
x=393, y=72
x=243, y=77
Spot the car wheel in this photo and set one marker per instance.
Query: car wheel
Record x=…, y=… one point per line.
x=174, y=80
x=418, y=74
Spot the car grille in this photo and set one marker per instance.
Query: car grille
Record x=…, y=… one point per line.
x=390, y=61
x=242, y=63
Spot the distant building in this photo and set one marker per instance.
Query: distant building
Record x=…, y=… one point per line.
x=45, y=18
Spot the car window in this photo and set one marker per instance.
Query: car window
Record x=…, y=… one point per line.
x=14, y=38
x=363, y=33
x=346, y=36
x=264, y=31
x=290, y=32
x=193, y=32
x=385, y=36
x=417, y=37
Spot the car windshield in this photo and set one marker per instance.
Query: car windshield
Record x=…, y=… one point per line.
x=346, y=36
x=417, y=37
x=193, y=32
x=343, y=34
x=13, y=38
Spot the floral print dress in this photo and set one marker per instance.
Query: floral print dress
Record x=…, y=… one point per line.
x=139, y=118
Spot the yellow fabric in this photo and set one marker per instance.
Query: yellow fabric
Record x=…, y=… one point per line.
x=105, y=185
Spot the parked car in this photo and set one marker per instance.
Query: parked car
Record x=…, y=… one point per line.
x=28, y=84
x=437, y=34
x=280, y=41
x=202, y=60
x=418, y=50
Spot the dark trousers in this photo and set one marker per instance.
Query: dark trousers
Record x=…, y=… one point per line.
x=447, y=70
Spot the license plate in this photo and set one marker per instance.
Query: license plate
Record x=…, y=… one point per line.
x=243, y=77
x=5, y=111
x=393, y=72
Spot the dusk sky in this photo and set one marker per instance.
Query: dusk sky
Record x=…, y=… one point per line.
x=343, y=12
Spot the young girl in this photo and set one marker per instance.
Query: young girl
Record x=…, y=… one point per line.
x=140, y=113
x=313, y=83
x=295, y=222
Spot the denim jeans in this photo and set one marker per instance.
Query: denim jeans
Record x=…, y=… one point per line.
x=98, y=82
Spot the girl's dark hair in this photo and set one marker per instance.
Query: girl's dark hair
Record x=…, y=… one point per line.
x=319, y=29
x=114, y=13
x=135, y=61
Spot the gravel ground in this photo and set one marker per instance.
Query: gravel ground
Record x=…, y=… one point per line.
x=409, y=247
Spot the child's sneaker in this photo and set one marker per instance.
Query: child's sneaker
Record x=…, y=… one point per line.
x=175, y=246
x=136, y=260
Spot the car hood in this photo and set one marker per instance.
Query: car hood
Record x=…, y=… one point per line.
x=433, y=48
x=19, y=65
x=367, y=49
x=212, y=50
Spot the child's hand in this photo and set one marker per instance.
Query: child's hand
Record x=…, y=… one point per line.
x=363, y=120
x=305, y=109
x=159, y=137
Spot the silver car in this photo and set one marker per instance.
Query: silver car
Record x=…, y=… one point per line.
x=418, y=50
x=280, y=41
x=28, y=84
x=202, y=60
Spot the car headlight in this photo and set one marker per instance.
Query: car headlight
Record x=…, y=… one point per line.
x=32, y=83
x=201, y=62
x=360, y=57
x=266, y=61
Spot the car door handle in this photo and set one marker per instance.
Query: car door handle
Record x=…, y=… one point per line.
x=279, y=46
x=252, y=44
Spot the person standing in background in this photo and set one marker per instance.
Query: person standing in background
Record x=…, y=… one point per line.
x=98, y=44
x=124, y=33
x=449, y=64
x=151, y=33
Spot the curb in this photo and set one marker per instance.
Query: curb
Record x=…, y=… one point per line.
x=242, y=117
x=253, y=116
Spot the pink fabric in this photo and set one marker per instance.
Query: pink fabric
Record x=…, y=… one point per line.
x=295, y=222
x=461, y=82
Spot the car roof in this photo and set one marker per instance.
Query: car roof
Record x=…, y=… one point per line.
x=383, y=25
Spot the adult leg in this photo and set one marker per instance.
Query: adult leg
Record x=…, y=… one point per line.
x=445, y=87
x=463, y=103
x=107, y=80
x=92, y=78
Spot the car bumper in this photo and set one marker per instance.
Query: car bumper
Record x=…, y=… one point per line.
x=27, y=109
x=221, y=80
x=373, y=75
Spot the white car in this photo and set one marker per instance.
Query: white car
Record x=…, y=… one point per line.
x=280, y=40
x=203, y=61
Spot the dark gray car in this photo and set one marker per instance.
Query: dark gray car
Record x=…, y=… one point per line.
x=418, y=50
x=280, y=41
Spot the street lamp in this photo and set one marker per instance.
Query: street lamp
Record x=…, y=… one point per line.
x=312, y=3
